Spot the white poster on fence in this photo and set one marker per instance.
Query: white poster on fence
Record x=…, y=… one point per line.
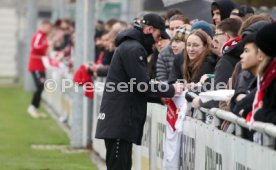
x=136, y=157
x=98, y=144
x=141, y=154
x=251, y=156
x=158, y=136
x=188, y=145
x=205, y=141
x=145, y=152
x=214, y=149
x=223, y=150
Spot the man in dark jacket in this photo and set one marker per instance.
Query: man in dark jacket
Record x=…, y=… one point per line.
x=123, y=111
x=231, y=49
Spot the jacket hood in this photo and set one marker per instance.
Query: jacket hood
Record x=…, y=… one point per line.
x=235, y=49
x=132, y=33
x=225, y=7
x=254, y=28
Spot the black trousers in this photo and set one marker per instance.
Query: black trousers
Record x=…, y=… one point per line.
x=39, y=79
x=118, y=154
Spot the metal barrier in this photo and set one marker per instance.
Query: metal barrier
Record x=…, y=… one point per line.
x=59, y=100
x=203, y=145
x=98, y=145
x=267, y=130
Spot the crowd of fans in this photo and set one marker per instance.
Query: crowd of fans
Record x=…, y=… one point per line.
x=238, y=49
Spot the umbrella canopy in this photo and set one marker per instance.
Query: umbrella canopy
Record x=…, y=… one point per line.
x=193, y=9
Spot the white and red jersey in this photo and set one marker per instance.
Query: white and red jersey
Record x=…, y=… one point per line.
x=39, y=46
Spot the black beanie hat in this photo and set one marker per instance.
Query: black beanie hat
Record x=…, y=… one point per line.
x=266, y=39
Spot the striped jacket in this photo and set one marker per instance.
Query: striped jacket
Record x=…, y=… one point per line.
x=164, y=64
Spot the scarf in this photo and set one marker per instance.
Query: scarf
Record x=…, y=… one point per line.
x=269, y=76
x=230, y=44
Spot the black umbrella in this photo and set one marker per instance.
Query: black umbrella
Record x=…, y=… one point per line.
x=193, y=9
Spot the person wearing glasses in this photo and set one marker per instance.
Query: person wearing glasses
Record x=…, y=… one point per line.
x=177, y=69
x=226, y=44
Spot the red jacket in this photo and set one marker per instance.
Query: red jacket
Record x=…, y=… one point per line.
x=39, y=47
x=81, y=77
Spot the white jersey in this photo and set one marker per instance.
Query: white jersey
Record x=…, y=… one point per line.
x=172, y=149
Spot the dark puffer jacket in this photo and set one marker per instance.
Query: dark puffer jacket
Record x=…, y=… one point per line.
x=207, y=67
x=123, y=112
x=164, y=64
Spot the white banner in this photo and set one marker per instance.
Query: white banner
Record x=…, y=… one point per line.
x=158, y=127
x=188, y=145
x=253, y=157
x=203, y=147
x=141, y=154
x=98, y=144
x=217, y=150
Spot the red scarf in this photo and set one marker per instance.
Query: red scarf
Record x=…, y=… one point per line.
x=230, y=44
x=172, y=113
x=82, y=77
x=269, y=76
x=100, y=58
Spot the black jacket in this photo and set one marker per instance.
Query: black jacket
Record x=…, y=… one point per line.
x=224, y=69
x=152, y=62
x=102, y=71
x=123, y=114
x=246, y=84
x=227, y=63
x=107, y=57
x=177, y=69
x=207, y=67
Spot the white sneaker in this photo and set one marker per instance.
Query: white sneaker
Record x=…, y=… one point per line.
x=33, y=111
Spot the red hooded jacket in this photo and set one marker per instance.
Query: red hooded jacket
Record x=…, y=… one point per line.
x=39, y=46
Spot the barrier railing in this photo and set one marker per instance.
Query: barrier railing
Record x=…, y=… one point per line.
x=203, y=145
x=267, y=130
x=59, y=100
